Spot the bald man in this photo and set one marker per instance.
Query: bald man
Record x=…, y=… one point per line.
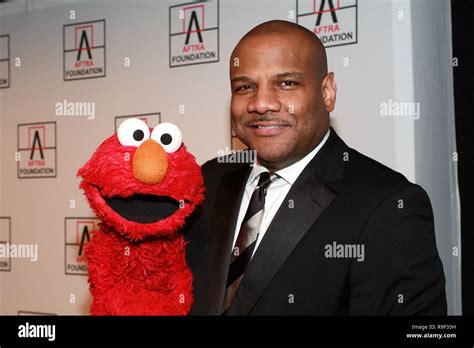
x=311, y=226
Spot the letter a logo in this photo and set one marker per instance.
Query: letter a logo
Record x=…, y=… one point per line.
x=190, y=27
x=85, y=235
x=36, y=146
x=332, y=11
x=84, y=42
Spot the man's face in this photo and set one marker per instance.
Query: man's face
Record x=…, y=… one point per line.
x=277, y=105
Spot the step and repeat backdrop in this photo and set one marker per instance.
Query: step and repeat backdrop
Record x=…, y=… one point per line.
x=72, y=71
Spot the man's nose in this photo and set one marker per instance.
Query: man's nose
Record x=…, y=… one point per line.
x=263, y=101
x=150, y=162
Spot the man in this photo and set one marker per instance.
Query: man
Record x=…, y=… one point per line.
x=312, y=227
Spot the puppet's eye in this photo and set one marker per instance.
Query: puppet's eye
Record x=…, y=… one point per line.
x=168, y=135
x=133, y=132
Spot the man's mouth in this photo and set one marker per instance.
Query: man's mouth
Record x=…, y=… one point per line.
x=143, y=209
x=268, y=128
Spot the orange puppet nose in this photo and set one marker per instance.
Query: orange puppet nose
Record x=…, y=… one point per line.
x=150, y=163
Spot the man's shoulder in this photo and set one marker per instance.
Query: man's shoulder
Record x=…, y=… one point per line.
x=369, y=175
x=357, y=170
x=360, y=164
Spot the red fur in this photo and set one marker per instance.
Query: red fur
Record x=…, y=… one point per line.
x=134, y=268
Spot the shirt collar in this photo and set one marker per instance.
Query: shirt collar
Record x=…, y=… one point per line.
x=290, y=173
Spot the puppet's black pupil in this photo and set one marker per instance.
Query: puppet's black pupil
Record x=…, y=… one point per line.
x=166, y=139
x=138, y=135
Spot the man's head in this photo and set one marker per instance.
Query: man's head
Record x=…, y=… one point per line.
x=281, y=92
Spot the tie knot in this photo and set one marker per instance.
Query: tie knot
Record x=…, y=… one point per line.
x=264, y=180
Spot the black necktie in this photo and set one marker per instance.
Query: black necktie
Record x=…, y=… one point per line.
x=247, y=239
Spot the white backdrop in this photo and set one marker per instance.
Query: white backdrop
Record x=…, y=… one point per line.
x=396, y=59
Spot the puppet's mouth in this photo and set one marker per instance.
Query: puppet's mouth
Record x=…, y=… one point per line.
x=143, y=209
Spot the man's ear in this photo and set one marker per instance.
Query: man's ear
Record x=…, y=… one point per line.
x=329, y=88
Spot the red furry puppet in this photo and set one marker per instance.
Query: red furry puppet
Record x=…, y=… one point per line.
x=142, y=184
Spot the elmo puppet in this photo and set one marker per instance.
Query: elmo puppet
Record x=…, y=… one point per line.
x=142, y=184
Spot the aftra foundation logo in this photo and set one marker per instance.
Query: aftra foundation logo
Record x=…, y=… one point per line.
x=194, y=33
x=78, y=232
x=4, y=61
x=333, y=21
x=36, y=156
x=84, y=50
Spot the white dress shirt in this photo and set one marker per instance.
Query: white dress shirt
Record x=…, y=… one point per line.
x=276, y=192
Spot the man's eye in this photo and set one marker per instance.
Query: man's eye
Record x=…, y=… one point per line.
x=288, y=83
x=243, y=88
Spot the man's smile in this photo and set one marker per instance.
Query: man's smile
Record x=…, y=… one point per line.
x=267, y=128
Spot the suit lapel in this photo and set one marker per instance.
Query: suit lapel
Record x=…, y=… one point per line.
x=309, y=198
x=224, y=219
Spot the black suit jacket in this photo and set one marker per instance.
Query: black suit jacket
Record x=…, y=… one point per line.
x=341, y=198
